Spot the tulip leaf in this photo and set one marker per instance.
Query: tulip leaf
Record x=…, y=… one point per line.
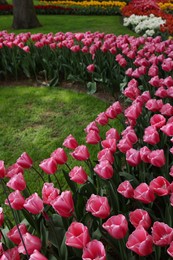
x=91, y=88
x=43, y=235
x=129, y=177
x=71, y=184
x=63, y=250
x=57, y=220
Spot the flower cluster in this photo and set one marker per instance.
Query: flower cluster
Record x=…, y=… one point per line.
x=143, y=24
x=118, y=203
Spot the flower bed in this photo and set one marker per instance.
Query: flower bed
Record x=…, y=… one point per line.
x=118, y=204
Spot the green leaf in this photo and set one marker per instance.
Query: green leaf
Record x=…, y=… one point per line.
x=91, y=88
x=129, y=177
x=63, y=250
x=71, y=184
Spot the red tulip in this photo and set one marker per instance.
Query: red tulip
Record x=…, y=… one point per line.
x=140, y=242
x=80, y=153
x=64, y=204
x=98, y=206
x=36, y=255
x=70, y=142
x=140, y=217
x=16, y=200
x=94, y=250
x=17, y=182
x=116, y=226
x=24, y=161
x=14, y=235
x=126, y=189
x=162, y=234
x=49, y=193
x=104, y=169
x=143, y=193
x=49, y=165
x=59, y=156
x=31, y=243
x=77, y=235
x=78, y=175
x=34, y=204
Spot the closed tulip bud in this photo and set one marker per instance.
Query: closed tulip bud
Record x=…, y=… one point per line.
x=98, y=206
x=78, y=175
x=110, y=143
x=124, y=145
x=140, y=217
x=140, y=242
x=157, y=158
x=14, y=235
x=31, y=243
x=11, y=254
x=36, y=255
x=160, y=186
x=70, y=142
x=2, y=169
x=167, y=129
x=133, y=157
x=151, y=136
x=59, y=156
x=102, y=119
x=91, y=68
x=80, y=153
x=34, y=204
x=16, y=200
x=105, y=154
x=49, y=165
x=157, y=121
x=94, y=250
x=13, y=170
x=17, y=182
x=64, y=204
x=144, y=152
x=143, y=193
x=167, y=110
x=93, y=137
x=91, y=126
x=116, y=226
x=24, y=161
x=162, y=234
x=77, y=235
x=104, y=169
x=112, y=133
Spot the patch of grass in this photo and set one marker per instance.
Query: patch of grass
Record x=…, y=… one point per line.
x=72, y=23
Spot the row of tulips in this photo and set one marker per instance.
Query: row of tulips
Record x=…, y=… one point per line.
x=118, y=204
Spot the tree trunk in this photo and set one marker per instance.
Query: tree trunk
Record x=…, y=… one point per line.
x=3, y=2
x=24, y=15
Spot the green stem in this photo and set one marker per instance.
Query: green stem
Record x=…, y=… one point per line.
x=38, y=173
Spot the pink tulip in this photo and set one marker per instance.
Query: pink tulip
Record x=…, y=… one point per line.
x=13, y=170
x=31, y=242
x=78, y=175
x=110, y=144
x=93, y=137
x=102, y=119
x=77, y=235
x=112, y=133
x=133, y=157
x=151, y=136
x=167, y=64
x=162, y=234
x=168, y=81
x=157, y=158
x=144, y=152
x=14, y=235
x=140, y=217
x=160, y=186
x=130, y=135
x=140, y=242
x=94, y=250
x=16, y=200
x=91, y=68
x=124, y=145
x=17, y=182
x=70, y=142
x=161, y=92
x=49, y=165
x=104, y=169
x=24, y=161
x=126, y=189
x=116, y=226
x=98, y=206
x=2, y=169
x=80, y=153
x=143, y=193
x=154, y=105
x=49, y=193
x=36, y=255
x=132, y=91
x=59, y=156
x=11, y=254
x=167, y=110
x=105, y=154
x=155, y=81
x=91, y=127
x=157, y=121
x=34, y=204
x=167, y=129
x=153, y=71
x=133, y=111
x=64, y=204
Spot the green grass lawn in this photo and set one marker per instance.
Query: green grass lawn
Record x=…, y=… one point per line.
x=72, y=23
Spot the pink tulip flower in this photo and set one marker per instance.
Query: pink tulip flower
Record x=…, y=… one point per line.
x=133, y=157
x=31, y=242
x=157, y=158
x=104, y=169
x=59, y=156
x=17, y=182
x=24, y=161
x=34, y=204
x=78, y=175
x=16, y=200
x=70, y=142
x=14, y=235
x=144, y=152
x=112, y=133
x=125, y=189
x=110, y=144
x=162, y=234
x=49, y=193
x=80, y=153
x=36, y=255
x=64, y=204
x=102, y=119
x=160, y=186
x=151, y=136
x=91, y=126
x=13, y=170
x=140, y=217
x=93, y=137
x=11, y=254
x=157, y=121
x=98, y=206
x=49, y=165
x=91, y=68
x=94, y=250
x=143, y=193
